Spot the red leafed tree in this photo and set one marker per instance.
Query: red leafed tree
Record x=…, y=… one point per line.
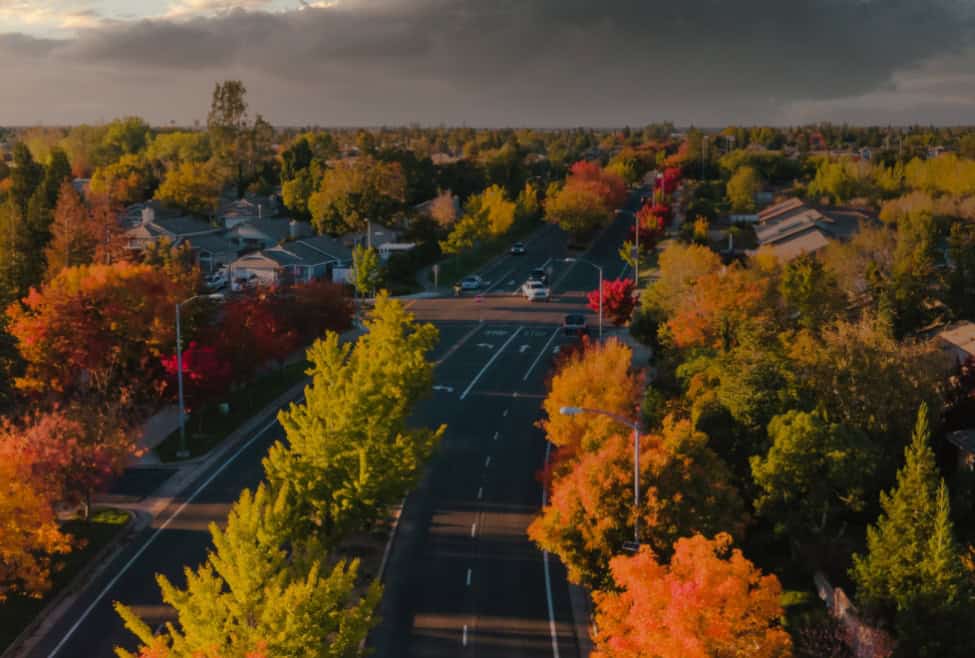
x=96, y=328
x=254, y=331
x=73, y=452
x=206, y=373
x=618, y=300
x=318, y=307
x=608, y=186
x=651, y=225
x=709, y=601
x=671, y=179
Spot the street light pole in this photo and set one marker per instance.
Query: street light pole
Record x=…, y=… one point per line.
x=600, y=270
x=635, y=426
x=183, y=452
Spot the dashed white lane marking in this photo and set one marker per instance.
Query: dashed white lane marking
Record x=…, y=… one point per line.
x=474, y=530
x=497, y=435
x=541, y=354
x=487, y=462
x=504, y=413
x=463, y=640
x=489, y=364
x=480, y=493
x=469, y=572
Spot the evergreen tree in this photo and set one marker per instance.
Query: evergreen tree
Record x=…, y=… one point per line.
x=14, y=245
x=257, y=589
x=40, y=210
x=25, y=176
x=349, y=451
x=71, y=237
x=911, y=572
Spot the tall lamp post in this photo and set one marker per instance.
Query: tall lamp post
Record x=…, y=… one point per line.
x=635, y=426
x=589, y=262
x=184, y=450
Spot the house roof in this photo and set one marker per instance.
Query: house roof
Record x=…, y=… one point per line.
x=962, y=439
x=182, y=226
x=808, y=242
x=783, y=227
x=260, y=260
x=276, y=230
x=960, y=336
x=330, y=247
x=214, y=244
x=777, y=209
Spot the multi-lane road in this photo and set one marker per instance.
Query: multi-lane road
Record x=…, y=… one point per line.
x=462, y=577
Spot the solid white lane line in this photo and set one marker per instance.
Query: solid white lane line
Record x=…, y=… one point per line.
x=480, y=493
x=548, y=576
x=541, y=354
x=501, y=279
x=487, y=462
x=463, y=641
x=468, y=577
x=474, y=530
x=155, y=535
x=489, y=364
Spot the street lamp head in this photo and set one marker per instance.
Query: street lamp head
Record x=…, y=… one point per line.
x=570, y=411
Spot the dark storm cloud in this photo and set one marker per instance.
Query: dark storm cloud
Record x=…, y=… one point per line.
x=535, y=61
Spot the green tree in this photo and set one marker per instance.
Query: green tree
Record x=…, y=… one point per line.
x=227, y=125
x=349, y=451
x=192, y=187
x=15, y=268
x=25, y=176
x=810, y=293
x=742, y=187
x=912, y=568
x=259, y=587
x=814, y=471
x=353, y=192
x=368, y=272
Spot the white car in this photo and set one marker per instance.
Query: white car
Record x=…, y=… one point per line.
x=472, y=282
x=243, y=283
x=217, y=280
x=535, y=291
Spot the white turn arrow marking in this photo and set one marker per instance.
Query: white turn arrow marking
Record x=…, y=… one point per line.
x=446, y=389
x=524, y=348
x=488, y=346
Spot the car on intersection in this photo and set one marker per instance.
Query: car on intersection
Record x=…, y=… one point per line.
x=535, y=291
x=517, y=249
x=574, y=324
x=472, y=282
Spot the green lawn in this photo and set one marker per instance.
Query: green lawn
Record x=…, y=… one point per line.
x=208, y=427
x=17, y=612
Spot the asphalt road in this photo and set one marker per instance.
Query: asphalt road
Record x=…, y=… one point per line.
x=463, y=578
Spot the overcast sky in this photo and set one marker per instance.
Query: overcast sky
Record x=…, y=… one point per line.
x=492, y=62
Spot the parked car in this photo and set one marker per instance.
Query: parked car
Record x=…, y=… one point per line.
x=517, y=249
x=217, y=280
x=575, y=324
x=243, y=283
x=472, y=282
x=539, y=275
x=535, y=291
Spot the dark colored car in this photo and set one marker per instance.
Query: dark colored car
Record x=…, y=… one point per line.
x=517, y=249
x=574, y=324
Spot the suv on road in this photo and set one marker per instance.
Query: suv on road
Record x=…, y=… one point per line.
x=535, y=291
x=517, y=249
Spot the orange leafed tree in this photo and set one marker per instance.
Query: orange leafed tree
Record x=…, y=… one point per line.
x=685, y=488
x=29, y=532
x=609, y=186
x=600, y=378
x=95, y=328
x=716, y=306
x=709, y=601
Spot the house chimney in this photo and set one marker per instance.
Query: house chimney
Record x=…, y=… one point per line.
x=148, y=216
x=293, y=229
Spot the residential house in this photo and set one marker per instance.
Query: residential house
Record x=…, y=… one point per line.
x=131, y=216
x=264, y=233
x=374, y=235
x=248, y=209
x=426, y=207
x=213, y=251
x=151, y=229
x=793, y=228
x=297, y=261
x=958, y=341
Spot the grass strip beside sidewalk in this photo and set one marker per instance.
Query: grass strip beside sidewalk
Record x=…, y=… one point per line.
x=208, y=427
x=17, y=612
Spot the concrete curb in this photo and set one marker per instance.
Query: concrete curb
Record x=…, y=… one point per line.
x=91, y=570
